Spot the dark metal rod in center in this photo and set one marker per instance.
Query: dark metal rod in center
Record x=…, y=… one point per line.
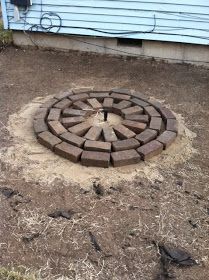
x=105, y=115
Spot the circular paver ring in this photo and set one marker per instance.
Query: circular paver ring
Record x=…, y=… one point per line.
x=100, y=128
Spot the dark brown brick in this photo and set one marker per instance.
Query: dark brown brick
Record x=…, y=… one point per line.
x=73, y=113
x=167, y=138
x=98, y=159
x=71, y=121
x=108, y=103
x=125, y=158
x=119, y=96
x=79, y=97
x=49, y=103
x=80, y=105
x=98, y=146
x=139, y=102
x=99, y=95
x=64, y=103
x=116, y=108
x=93, y=133
x=139, y=118
x=72, y=139
x=156, y=104
x=82, y=90
x=56, y=127
x=146, y=136
x=151, y=111
x=136, y=127
x=48, y=139
x=63, y=94
x=150, y=149
x=54, y=114
x=127, y=144
x=166, y=113
x=94, y=103
x=132, y=111
x=123, y=132
x=139, y=95
x=171, y=125
x=109, y=134
x=68, y=151
x=156, y=124
x=80, y=129
x=41, y=113
x=121, y=90
x=39, y=126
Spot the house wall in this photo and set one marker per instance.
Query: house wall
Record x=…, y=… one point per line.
x=184, y=21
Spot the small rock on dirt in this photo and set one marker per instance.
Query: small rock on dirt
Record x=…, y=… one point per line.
x=67, y=214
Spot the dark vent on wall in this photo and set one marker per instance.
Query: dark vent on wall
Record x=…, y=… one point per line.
x=126, y=42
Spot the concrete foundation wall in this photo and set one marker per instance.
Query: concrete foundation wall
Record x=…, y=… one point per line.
x=171, y=52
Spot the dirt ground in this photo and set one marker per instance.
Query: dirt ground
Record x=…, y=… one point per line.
x=130, y=217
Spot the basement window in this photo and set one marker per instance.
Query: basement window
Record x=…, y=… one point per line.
x=126, y=42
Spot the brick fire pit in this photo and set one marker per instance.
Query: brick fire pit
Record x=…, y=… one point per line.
x=97, y=128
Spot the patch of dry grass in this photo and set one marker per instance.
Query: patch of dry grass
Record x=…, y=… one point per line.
x=16, y=274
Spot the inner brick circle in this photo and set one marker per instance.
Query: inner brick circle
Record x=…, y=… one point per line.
x=96, y=128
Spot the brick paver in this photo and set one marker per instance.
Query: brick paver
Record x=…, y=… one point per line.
x=150, y=149
x=116, y=108
x=71, y=121
x=139, y=102
x=56, y=127
x=79, y=97
x=41, y=113
x=156, y=124
x=80, y=129
x=123, y=132
x=136, y=127
x=73, y=139
x=125, y=158
x=139, y=118
x=63, y=94
x=94, y=133
x=108, y=103
x=39, y=125
x=151, y=111
x=171, y=125
x=126, y=144
x=119, y=96
x=97, y=159
x=69, y=112
x=68, y=151
x=132, y=111
x=109, y=134
x=167, y=138
x=64, y=103
x=97, y=146
x=94, y=103
x=54, y=114
x=48, y=139
x=146, y=136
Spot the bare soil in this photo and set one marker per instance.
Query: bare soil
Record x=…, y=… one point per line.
x=129, y=217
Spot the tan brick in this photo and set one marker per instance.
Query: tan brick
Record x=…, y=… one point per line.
x=93, y=133
x=71, y=121
x=63, y=94
x=64, y=103
x=123, y=132
x=39, y=126
x=109, y=134
x=54, y=114
x=49, y=103
x=94, y=103
x=73, y=139
x=41, y=113
x=48, y=140
x=79, y=97
x=56, y=127
x=98, y=159
x=132, y=111
x=171, y=125
x=167, y=138
x=150, y=149
x=116, y=108
x=68, y=151
x=151, y=111
x=125, y=158
x=80, y=105
x=139, y=118
x=99, y=95
x=126, y=144
x=108, y=102
x=119, y=96
x=80, y=129
x=121, y=90
x=166, y=113
x=69, y=112
x=139, y=102
x=136, y=127
x=98, y=146
x=146, y=136
x=156, y=124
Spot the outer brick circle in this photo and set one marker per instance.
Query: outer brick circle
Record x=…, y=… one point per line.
x=61, y=124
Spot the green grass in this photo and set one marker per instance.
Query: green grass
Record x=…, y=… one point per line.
x=18, y=274
x=5, y=36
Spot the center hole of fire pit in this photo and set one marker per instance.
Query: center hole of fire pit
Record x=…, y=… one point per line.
x=97, y=119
